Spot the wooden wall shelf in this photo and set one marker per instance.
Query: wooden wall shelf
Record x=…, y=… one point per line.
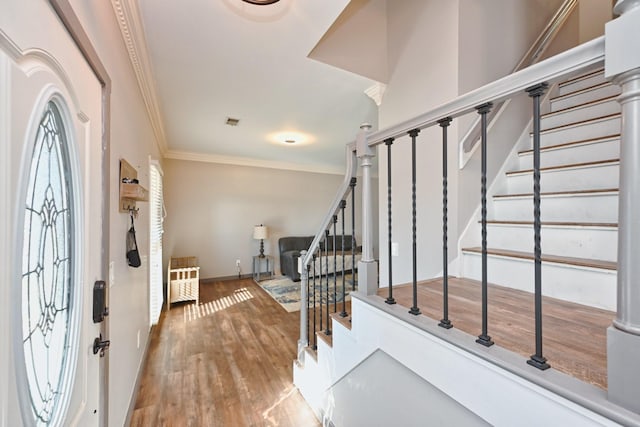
x=130, y=193
x=134, y=192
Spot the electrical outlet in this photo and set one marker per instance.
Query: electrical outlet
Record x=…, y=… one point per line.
x=394, y=249
x=237, y=263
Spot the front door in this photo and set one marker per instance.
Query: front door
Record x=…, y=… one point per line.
x=51, y=130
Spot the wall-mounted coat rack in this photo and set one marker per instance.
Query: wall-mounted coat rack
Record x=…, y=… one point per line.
x=130, y=189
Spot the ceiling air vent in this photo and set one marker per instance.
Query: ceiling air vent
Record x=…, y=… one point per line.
x=232, y=122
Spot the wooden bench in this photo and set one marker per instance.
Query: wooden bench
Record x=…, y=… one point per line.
x=183, y=280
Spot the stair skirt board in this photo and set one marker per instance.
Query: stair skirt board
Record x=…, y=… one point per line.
x=578, y=241
x=589, y=150
x=492, y=376
x=593, y=128
x=594, y=287
x=592, y=206
x=593, y=175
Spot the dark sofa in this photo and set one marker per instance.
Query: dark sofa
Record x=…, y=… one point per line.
x=290, y=247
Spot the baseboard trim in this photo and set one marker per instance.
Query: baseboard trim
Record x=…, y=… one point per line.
x=136, y=386
x=224, y=278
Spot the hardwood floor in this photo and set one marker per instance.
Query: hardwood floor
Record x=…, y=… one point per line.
x=574, y=336
x=226, y=363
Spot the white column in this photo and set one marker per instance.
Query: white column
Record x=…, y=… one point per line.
x=367, y=266
x=304, y=313
x=622, y=66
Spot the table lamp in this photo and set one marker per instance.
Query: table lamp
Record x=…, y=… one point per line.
x=260, y=232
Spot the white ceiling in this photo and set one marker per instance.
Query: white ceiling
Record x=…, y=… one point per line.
x=202, y=61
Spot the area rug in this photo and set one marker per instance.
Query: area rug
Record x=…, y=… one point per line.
x=287, y=292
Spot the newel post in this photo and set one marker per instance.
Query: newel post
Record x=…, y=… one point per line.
x=367, y=266
x=304, y=313
x=622, y=67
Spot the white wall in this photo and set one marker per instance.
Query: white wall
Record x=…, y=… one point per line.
x=423, y=61
x=132, y=138
x=212, y=208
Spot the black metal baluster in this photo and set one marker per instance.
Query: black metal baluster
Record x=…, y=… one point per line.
x=343, y=205
x=309, y=303
x=320, y=303
x=335, y=266
x=388, y=142
x=414, y=309
x=445, y=322
x=483, y=110
x=315, y=328
x=326, y=257
x=353, y=234
x=537, y=359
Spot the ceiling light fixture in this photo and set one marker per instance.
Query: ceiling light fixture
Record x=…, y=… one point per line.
x=290, y=141
x=261, y=2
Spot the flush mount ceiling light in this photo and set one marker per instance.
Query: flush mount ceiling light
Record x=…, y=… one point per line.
x=261, y=2
x=291, y=138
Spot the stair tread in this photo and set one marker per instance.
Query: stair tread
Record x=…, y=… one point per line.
x=559, y=193
x=344, y=321
x=578, y=106
x=328, y=339
x=557, y=223
x=582, y=262
x=567, y=166
x=568, y=144
x=578, y=123
x=575, y=92
x=581, y=77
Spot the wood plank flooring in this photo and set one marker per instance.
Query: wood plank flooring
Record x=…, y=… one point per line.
x=574, y=336
x=226, y=363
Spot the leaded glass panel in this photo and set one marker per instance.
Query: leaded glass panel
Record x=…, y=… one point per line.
x=47, y=267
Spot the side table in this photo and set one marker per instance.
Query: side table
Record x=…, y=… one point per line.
x=259, y=262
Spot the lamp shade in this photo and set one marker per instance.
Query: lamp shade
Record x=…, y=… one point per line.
x=260, y=232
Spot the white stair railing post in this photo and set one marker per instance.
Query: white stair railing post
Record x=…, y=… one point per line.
x=367, y=266
x=622, y=66
x=304, y=313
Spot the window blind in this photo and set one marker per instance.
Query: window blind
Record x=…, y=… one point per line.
x=156, y=219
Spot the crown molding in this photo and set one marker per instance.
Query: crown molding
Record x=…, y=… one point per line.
x=258, y=163
x=128, y=16
x=376, y=92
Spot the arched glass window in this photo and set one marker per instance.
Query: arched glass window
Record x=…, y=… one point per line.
x=47, y=269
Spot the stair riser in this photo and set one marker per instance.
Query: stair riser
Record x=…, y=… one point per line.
x=591, y=178
x=609, y=149
x=600, y=208
x=582, y=97
x=600, y=128
x=577, y=242
x=589, y=111
x=593, y=287
x=584, y=83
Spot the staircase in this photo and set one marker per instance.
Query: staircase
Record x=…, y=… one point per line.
x=580, y=146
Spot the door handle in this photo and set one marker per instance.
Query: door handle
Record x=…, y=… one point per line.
x=100, y=346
